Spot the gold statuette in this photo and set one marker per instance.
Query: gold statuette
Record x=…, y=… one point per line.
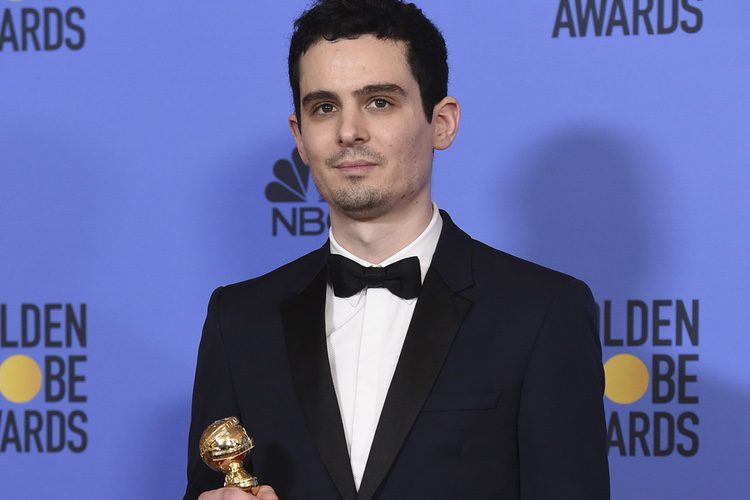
x=224, y=446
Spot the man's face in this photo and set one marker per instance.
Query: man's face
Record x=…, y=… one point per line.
x=363, y=130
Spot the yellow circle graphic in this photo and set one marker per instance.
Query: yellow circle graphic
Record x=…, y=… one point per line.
x=626, y=378
x=20, y=378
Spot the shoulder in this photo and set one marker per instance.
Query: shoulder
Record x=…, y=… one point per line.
x=522, y=281
x=486, y=273
x=275, y=286
x=538, y=302
x=500, y=264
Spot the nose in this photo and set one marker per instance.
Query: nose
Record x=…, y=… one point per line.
x=352, y=127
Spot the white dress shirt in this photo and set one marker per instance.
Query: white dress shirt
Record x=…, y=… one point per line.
x=364, y=335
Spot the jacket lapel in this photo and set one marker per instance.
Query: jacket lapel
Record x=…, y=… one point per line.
x=303, y=317
x=437, y=317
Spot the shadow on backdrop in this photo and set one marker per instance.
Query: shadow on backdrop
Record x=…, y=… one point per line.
x=591, y=202
x=580, y=195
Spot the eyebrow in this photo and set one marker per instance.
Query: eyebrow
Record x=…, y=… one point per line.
x=379, y=88
x=375, y=88
x=318, y=95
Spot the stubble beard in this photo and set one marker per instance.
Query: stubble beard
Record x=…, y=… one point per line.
x=357, y=198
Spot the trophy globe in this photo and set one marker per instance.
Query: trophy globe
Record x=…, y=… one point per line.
x=223, y=447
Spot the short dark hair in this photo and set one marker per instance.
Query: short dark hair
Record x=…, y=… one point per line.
x=395, y=20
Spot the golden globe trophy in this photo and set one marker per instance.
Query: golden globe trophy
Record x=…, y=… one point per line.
x=224, y=446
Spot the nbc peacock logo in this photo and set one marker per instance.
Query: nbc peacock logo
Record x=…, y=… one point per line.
x=298, y=210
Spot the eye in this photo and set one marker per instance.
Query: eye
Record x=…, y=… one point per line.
x=324, y=109
x=379, y=103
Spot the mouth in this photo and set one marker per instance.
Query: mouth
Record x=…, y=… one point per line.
x=353, y=166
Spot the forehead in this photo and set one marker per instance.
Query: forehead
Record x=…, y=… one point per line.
x=350, y=64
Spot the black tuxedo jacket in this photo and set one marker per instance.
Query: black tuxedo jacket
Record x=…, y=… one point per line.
x=497, y=393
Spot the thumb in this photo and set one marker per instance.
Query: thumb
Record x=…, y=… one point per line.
x=266, y=493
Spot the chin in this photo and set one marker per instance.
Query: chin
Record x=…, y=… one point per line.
x=360, y=201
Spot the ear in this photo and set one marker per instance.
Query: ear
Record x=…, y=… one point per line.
x=297, y=134
x=445, y=117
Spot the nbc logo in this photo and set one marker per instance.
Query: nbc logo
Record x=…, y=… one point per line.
x=300, y=214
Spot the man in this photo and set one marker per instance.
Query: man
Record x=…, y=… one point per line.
x=402, y=360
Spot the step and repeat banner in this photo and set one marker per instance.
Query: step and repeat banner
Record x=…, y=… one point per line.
x=145, y=159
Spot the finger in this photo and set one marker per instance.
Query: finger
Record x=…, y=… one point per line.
x=229, y=493
x=266, y=493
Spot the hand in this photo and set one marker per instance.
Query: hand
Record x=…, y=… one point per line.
x=261, y=493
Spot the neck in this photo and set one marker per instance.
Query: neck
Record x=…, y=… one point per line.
x=375, y=239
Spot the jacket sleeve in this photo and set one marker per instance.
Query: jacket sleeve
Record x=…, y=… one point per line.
x=213, y=398
x=561, y=428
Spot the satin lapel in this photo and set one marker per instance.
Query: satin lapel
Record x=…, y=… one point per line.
x=436, y=319
x=303, y=317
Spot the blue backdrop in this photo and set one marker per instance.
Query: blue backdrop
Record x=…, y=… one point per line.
x=137, y=141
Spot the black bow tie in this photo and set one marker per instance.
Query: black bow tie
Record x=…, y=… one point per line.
x=402, y=278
